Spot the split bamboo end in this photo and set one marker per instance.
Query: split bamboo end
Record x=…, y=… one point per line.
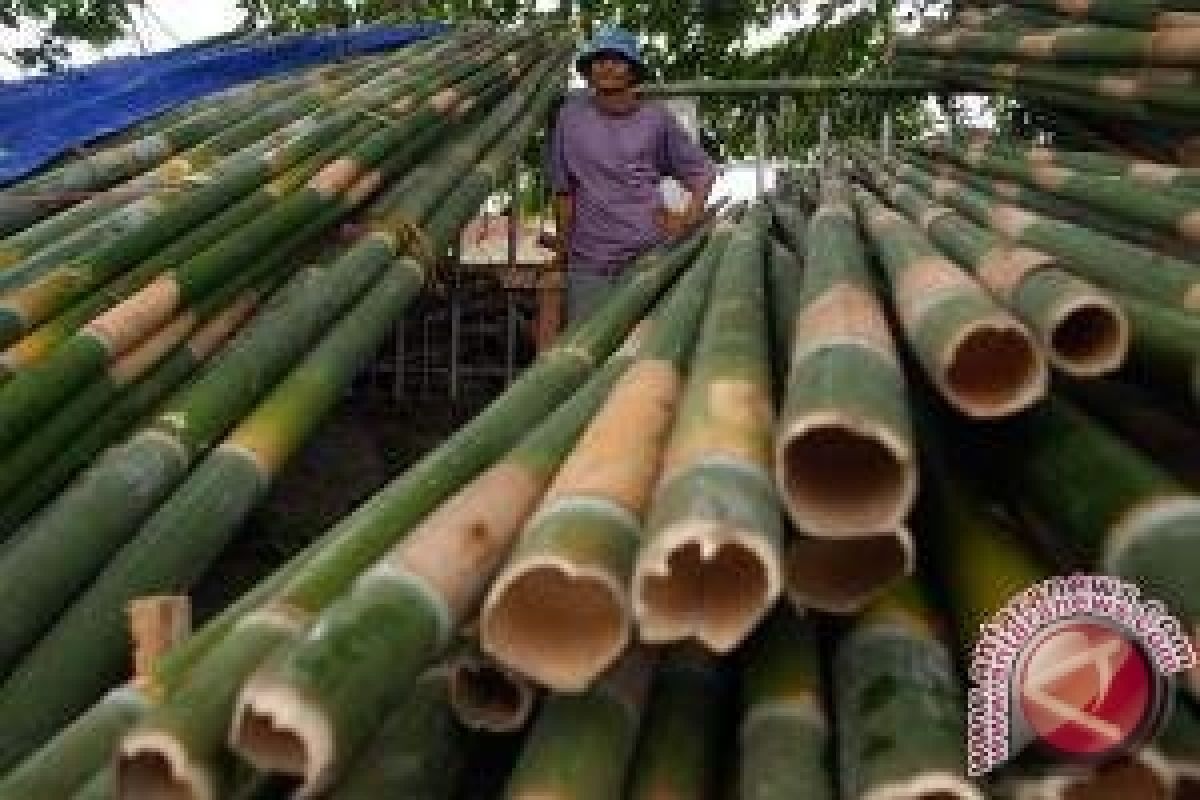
x=154, y=763
x=558, y=623
x=993, y=369
x=839, y=475
x=1089, y=336
x=929, y=786
x=277, y=729
x=842, y=575
x=704, y=581
x=487, y=697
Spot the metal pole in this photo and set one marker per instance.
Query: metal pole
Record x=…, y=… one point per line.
x=760, y=154
x=454, y=333
x=885, y=145
x=787, y=127
x=823, y=142
x=511, y=328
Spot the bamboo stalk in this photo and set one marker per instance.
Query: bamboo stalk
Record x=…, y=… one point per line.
x=417, y=752
x=1084, y=331
x=26, y=398
x=784, y=737
x=582, y=744
x=1118, y=509
x=1171, y=213
x=178, y=745
x=1092, y=44
x=678, y=752
x=710, y=566
x=982, y=360
x=900, y=708
x=558, y=611
x=1090, y=254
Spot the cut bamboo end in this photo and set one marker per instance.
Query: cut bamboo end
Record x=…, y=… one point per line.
x=155, y=764
x=705, y=581
x=487, y=697
x=558, y=623
x=841, y=576
x=929, y=786
x=993, y=369
x=1146, y=776
x=277, y=729
x=1089, y=336
x=843, y=475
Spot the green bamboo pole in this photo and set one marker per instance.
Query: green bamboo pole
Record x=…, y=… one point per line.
x=30, y=200
x=1173, y=214
x=1092, y=44
x=71, y=758
x=784, y=738
x=581, y=744
x=839, y=572
x=984, y=565
x=982, y=360
x=579, y=547
x=217, y=495
x=1042, y=202
x=1168, y=436
x=844, y=459
x=250, y=139
x=132, y=406
x=33, y=456
x=1179, y=743
x=710, y=563
x=485, y=695
x=205, y=512
x=1082, y=329
x=295, y=704
x=1148, y=14
x=1092, y=255
x=131, y=479
x=179, y=743
x=413, y=196
x=1147, y=94
x=416, y=754
x=111, y=228
x=678, y=753
x=900, y=709
x=1150, y=174
x=27, y=397
x=1117, y=508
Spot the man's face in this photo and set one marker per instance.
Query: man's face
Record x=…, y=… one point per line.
x=610, y=73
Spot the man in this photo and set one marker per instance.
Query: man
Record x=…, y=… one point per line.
x=609, y=153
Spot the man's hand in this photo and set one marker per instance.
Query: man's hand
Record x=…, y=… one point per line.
x=674, y=223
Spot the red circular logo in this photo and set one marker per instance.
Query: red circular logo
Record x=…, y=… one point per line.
x=1086, y=689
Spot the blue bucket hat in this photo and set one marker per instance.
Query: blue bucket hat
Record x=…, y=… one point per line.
x=618, y=41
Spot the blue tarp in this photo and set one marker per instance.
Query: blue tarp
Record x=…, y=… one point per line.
x=45, y=116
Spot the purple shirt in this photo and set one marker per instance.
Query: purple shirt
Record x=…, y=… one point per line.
x=612, y=165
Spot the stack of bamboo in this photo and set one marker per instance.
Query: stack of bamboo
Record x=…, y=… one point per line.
x=174, y=334
x=1119, y=73
x=771, y=487
x=747, y=417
